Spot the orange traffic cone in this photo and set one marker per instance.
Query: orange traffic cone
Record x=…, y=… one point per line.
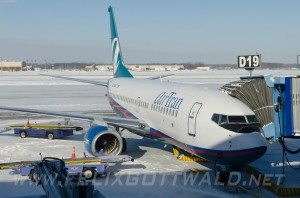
x=73, y=155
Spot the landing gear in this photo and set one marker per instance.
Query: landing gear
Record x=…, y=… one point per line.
x=124, y=145
x=223, y=173
x=185, y=156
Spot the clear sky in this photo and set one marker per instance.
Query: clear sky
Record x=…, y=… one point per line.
x=165, y=31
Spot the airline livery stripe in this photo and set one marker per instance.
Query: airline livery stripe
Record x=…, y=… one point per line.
x=125, y=112
x=217, y=153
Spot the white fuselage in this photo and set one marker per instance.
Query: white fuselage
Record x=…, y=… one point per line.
x=182, y=115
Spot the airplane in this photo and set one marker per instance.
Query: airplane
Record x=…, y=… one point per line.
x=204, y=123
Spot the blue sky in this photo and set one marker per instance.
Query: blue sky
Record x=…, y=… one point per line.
x=165, y=31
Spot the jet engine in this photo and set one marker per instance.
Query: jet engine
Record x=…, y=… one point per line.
x=103, y=138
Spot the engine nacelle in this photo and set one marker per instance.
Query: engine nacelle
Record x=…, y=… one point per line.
x=103, y=137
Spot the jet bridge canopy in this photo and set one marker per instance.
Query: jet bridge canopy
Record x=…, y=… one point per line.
x=274, y=100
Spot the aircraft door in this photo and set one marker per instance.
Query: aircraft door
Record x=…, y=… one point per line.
x=192, y=119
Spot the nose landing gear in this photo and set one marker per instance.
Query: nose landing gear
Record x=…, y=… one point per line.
x=222, y=173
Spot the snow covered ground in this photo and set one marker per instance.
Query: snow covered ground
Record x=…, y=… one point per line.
x=155, y=171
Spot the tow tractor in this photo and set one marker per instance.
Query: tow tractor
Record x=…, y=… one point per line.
x=44, y=131
x=86, y=170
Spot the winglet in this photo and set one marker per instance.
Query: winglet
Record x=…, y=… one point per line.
x=119, y=68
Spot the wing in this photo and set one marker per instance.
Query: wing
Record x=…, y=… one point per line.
x=136, y=126
x=79, y=80
x=162, y=76
x=99, y=83
x=50, y=113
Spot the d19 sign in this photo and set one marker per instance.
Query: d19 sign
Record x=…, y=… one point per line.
x=249, y=61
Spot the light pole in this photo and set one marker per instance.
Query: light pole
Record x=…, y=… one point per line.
x=45, y=67
x=298, y=61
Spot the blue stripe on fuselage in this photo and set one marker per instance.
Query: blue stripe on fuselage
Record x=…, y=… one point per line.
x=121, y=109
x=243, y=156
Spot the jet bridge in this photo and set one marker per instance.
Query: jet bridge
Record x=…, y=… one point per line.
x=275, y=101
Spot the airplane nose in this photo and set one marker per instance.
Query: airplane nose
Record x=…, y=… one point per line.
x=255, y=154
x=253, y=145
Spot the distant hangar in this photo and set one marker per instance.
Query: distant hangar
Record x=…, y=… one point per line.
x=138, y=67
x=12, y=65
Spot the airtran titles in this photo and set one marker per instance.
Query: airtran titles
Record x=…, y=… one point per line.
x=170, y=100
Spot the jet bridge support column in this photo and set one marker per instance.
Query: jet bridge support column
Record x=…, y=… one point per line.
x=286, y=100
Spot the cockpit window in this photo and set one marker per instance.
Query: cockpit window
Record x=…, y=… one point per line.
x=239, y=124
x=215, y=118
x=237, y=119
x=251, y=118
x=223, y=119
x=219, y=119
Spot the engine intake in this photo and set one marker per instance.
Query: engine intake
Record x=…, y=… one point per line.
x=103, y=137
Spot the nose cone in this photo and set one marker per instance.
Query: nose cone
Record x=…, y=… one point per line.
x=252, y=154
x=249, y=147
x=252, y=146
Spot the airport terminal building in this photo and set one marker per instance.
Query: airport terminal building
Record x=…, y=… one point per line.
x=12, y=65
